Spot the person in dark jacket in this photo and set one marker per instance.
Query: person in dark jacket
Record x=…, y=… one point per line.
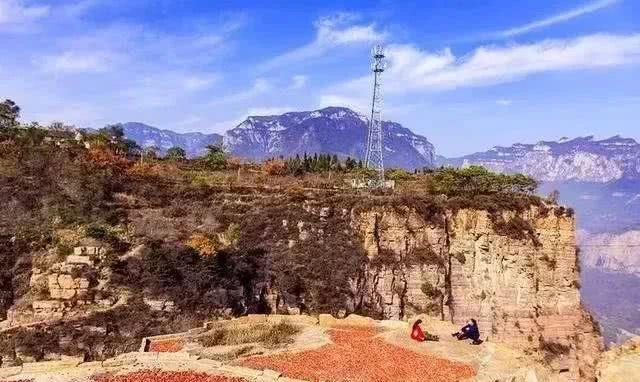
x=469, y=332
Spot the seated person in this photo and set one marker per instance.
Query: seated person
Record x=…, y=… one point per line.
x=470, y=332
x=418, y=335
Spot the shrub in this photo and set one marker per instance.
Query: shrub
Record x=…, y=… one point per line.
x=176, y=153
x=97, y=232
x=281, y=333
x=205, y=244
x=216, y=158
x=426, y=256
x=63, y=251
x=275, y=167
x=553, y=350
x=476, y=180
x=7, y=345
x=230, y=237
x=429, y=290
x=36, y=343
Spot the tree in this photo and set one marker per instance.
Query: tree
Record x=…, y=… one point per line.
x=216, y=158
x=150, y=152
x=554, y=196
x=9, y=114
x=176, y=153
x=113, y=137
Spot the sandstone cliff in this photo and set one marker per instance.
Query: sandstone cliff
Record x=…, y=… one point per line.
x=522, y=291
x=514, y=271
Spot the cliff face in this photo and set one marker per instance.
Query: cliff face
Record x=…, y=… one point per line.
x=612, y=252
x=524, y=292
x=391, y=257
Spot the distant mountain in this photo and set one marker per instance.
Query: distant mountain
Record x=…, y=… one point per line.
x=334, y=130
x=146, y=136
x=581, y=159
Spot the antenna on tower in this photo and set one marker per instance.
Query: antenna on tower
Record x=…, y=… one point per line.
x=375, y=146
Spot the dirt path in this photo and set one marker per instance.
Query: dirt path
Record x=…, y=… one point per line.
x=358, y=355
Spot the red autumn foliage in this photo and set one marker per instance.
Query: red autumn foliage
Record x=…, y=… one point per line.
x=106, y=158
x=356, y=355
x=166, y=376
x=275, y=167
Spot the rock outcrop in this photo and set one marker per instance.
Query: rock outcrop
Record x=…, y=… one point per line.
x=621, y=363
x=523, y=291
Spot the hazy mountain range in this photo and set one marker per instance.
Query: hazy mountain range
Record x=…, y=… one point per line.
x=580, y=159
x=146, y=136
x=334, y=130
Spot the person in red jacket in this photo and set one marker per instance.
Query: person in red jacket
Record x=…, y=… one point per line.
x=417, y=333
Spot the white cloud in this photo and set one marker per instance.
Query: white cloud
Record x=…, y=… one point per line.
x=298, y=82
x=17, y=13
x=555, y=19
x=332, y=31
x=265, y=111
x=412, y=69
x=78, y=8
x=77, y=62
x=504, y=102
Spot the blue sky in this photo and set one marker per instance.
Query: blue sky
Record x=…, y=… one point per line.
x=467, y=74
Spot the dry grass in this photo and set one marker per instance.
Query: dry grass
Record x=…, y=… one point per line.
x=268, y=335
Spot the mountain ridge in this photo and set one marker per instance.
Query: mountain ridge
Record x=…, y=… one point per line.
x=579, y=159
x=335, y=130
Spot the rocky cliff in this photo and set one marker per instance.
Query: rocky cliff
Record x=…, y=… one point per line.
x=523, y=292
x=515, y=271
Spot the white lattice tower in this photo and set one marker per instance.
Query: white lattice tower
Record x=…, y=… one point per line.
x=375, y=144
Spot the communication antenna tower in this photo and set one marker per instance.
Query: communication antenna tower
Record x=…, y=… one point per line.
x=375, y=146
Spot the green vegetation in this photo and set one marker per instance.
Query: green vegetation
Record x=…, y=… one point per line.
x=176, y=153
x=9, y=113
x=216, y=158
x=475, y=180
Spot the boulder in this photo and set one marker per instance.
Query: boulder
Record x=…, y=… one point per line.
x=79, y=260
x=88, y=251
